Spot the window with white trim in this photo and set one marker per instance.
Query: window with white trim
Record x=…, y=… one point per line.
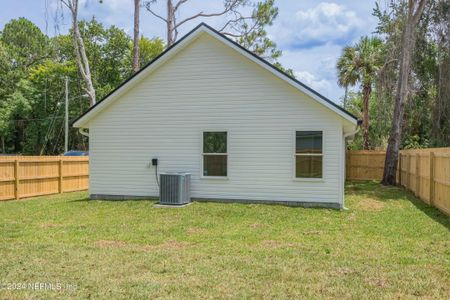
x=308, y=154
x=215, y=156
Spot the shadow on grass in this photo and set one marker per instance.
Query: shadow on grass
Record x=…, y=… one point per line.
x=248, y=204
x=383, y=193
x=114, y=200
x=431, y=211
x=375, y=190
x=80, y=200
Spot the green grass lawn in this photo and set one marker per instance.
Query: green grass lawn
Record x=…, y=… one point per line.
x=388, y=244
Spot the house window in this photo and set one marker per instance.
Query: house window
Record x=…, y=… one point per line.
x=308, y=154
x=215, y=157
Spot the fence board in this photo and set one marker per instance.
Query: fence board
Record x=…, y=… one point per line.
x=365, y=165
x=29, y=176
x=426, y=172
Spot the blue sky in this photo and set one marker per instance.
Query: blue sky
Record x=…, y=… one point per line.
x=311, y=33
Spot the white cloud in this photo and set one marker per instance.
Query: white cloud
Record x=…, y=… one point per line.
x=326, y=22
x=321, y=85
x=320, y=62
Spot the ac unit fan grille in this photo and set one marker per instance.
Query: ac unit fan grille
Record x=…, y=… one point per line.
x=175, y=189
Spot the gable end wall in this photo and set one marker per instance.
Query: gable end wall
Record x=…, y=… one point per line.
x=209, y=86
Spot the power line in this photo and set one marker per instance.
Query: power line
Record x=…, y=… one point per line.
x=40, y=119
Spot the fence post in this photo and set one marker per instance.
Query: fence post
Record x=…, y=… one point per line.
x=418, y=175
x=347, y=166
x=408, y=172
x=16, y=179
x=432, y=178
x=400, y=168
x=60, y=172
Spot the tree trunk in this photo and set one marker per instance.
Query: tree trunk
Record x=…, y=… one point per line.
x=444, y=95
x=170, y=24
x=408, y=43
x=345, y=96
x=367, y=89
x=80, y=52
x=136, y=64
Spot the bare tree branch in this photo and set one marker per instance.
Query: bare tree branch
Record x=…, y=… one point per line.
x=179, y=4
x=236, y=26
x=227, y=9
x=234, y=21
x=246, y=32
x=235, y=35
x=388, y=63
x=147, y=6
x=419, y=11
x=80, y=50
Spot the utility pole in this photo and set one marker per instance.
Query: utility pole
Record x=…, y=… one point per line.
x=66, y=118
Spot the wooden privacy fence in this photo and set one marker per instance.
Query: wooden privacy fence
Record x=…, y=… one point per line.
x=426, y=172
x=364, y=165
x=28, y=176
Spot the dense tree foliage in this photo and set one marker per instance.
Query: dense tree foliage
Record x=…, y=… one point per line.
x=33, y=70
x=426, y=121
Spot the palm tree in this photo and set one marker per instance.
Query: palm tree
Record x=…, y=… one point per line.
x=360, y=64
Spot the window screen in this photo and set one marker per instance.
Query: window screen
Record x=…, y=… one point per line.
x=215, y=157
x=308, y=154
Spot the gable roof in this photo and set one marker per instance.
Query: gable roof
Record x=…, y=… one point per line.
x=82, y=120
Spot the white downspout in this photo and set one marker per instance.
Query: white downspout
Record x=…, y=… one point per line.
x=348, y=134
x=83, y=132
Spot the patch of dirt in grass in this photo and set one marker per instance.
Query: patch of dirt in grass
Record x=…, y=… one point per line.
x=369, y=204
x=343, y=271
x=351, y=217
x=272, y=244
x=169, y=245
x=195, y=230
x=257, y=225
x=174, y=245
x=378, y=282
x=312, y=232
x=110, y=244
x=50, y=225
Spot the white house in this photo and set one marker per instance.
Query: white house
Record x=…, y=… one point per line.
x=243, y=129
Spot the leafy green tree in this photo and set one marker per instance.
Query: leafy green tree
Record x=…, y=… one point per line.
x=25, y=43
x=379, y=128
x=360, y=64
x=17, y=110
x=109, y=51
x=45, y=133
x=22, y=47
x=149, y=49
x=32, y=90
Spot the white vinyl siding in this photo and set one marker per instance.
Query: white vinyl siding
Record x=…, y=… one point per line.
x=208, y=85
